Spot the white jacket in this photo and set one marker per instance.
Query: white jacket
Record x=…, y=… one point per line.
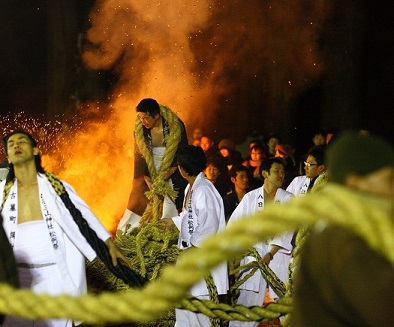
x=252, y=202
x=204, y=218
x=72, y=246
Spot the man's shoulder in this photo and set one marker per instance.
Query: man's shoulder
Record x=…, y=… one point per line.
x=296, y=183
x=52, y=180
x=206, y=185
x=253, y=194
x=284, y=193
x=202, y=182
x=299, y=179
x=2, y=184
x=231, y=199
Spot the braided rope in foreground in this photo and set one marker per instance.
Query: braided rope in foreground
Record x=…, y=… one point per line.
x=301, y=238
x=251, y=267
x=213, y=296
x=272, y=280
x=238, y=312
x=334, y=203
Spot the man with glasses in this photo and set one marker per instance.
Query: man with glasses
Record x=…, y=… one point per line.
x=313, y=166
x=159, y=133
x=346, y=275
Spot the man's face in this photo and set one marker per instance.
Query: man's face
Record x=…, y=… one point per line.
x=280, y=154
x=276, y=175
x=312, y=168
x=212, y=173
x=255, y=154
x=205, y=143
x=319, y=139
x=241, y=181
x=224, y=152
x=197, y=143
x=20, y=149
x=147, y=120
x=197, y=133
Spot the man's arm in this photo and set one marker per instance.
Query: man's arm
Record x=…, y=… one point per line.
x=266, y=258
x=169, y=172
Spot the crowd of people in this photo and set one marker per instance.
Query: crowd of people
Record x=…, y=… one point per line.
x=203, y=188
x=225, y=161
x=224, y=186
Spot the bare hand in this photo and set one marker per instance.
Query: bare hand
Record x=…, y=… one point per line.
x=265, y=259
x=116, y=254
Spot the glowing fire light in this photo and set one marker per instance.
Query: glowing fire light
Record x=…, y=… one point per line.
x=93, y=155
x=190, y=56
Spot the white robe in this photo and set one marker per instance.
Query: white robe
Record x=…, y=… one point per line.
x=299, y=185
x=169, y=207
x=67, y=243
x=205, y=219
x=252, y=202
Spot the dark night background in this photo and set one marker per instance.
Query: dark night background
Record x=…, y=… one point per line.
x=41, y=70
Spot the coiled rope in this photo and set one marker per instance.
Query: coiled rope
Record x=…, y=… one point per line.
x=160, y=187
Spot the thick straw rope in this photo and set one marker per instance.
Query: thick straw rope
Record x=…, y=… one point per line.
x=368, y=217
x=160, y=187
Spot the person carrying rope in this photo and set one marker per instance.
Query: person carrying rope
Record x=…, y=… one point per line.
x=159, y=133
x=276, y=252
x=43, y=230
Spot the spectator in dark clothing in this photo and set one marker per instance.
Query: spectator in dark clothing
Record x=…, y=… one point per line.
x=217, y=172
x=229, y=154
x=239, y=177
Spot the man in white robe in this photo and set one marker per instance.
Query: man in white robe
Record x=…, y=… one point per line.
x=202, y=216
x=277, y=251
x=314, y=166
x=49, y=249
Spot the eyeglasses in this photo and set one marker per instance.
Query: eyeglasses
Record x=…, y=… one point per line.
x=308, y=164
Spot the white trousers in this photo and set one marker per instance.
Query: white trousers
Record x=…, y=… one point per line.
x=186, y=318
